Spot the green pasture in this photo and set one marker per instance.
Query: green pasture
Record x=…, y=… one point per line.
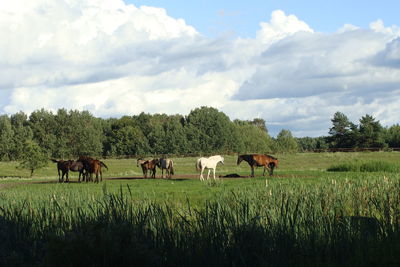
x=305, y=169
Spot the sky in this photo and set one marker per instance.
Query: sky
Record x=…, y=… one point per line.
x=292, y=63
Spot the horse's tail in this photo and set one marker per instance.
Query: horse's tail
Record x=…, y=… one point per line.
x=198, y=165
x=171, y=164
x=103, y=164
x=54, y=160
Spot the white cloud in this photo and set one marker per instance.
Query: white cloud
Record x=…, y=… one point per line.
x=378, y=26
x=116, y=59
x=281, y=26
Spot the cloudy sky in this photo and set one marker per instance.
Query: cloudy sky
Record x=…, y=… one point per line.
x=292, y=63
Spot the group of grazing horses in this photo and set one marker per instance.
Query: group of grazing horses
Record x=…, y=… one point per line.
x=151, y=166
x=254, y=160
x=86, y=166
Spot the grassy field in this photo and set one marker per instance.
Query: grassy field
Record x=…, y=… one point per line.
x=301, y=168
x=303, y=215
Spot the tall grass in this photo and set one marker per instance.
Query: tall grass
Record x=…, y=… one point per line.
x=368, y=166
x=351, y=223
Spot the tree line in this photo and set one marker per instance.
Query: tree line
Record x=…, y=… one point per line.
x=368, y=133
x=205, y=130
x=67, y=134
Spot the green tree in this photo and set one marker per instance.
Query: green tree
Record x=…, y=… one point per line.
x=313, y=143
x=212, y=128
x=22, y=134
x=175, y=136
x=392, y=136
x=285, y=142
x=260, y=123
x=156, y=133
x=78, y=133
x=43, y=125
x=371, y=132
x=250, y=138
x=33, y=157
x=6, y=138
x=343, y=132
x=86, y=134
x=130, y=140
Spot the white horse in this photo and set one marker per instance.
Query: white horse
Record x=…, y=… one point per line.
x=209, y=163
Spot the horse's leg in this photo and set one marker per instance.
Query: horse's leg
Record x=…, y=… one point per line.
x=208, y=174
x=271, y=172
x=252, y=171
x=201, y=174
x=80, y=175
x=214, y=172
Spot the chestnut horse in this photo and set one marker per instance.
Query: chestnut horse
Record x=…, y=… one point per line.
x=148, y=165
x=92, y=166
x=257, y=160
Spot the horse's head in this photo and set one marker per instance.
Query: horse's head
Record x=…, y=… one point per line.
x=139, y=161
x=272, y=161
x=222, y=160
x=157, y=162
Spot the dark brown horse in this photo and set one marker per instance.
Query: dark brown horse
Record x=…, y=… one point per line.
x=63, y=167
x=92, y=166
x=148, y=165
x=77, y=166
x=258, y=160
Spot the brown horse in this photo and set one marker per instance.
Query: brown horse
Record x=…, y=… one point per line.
x=63, y=167
x=148, y=165
x=257, y=160
x=92, y=166
x=77, y=166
